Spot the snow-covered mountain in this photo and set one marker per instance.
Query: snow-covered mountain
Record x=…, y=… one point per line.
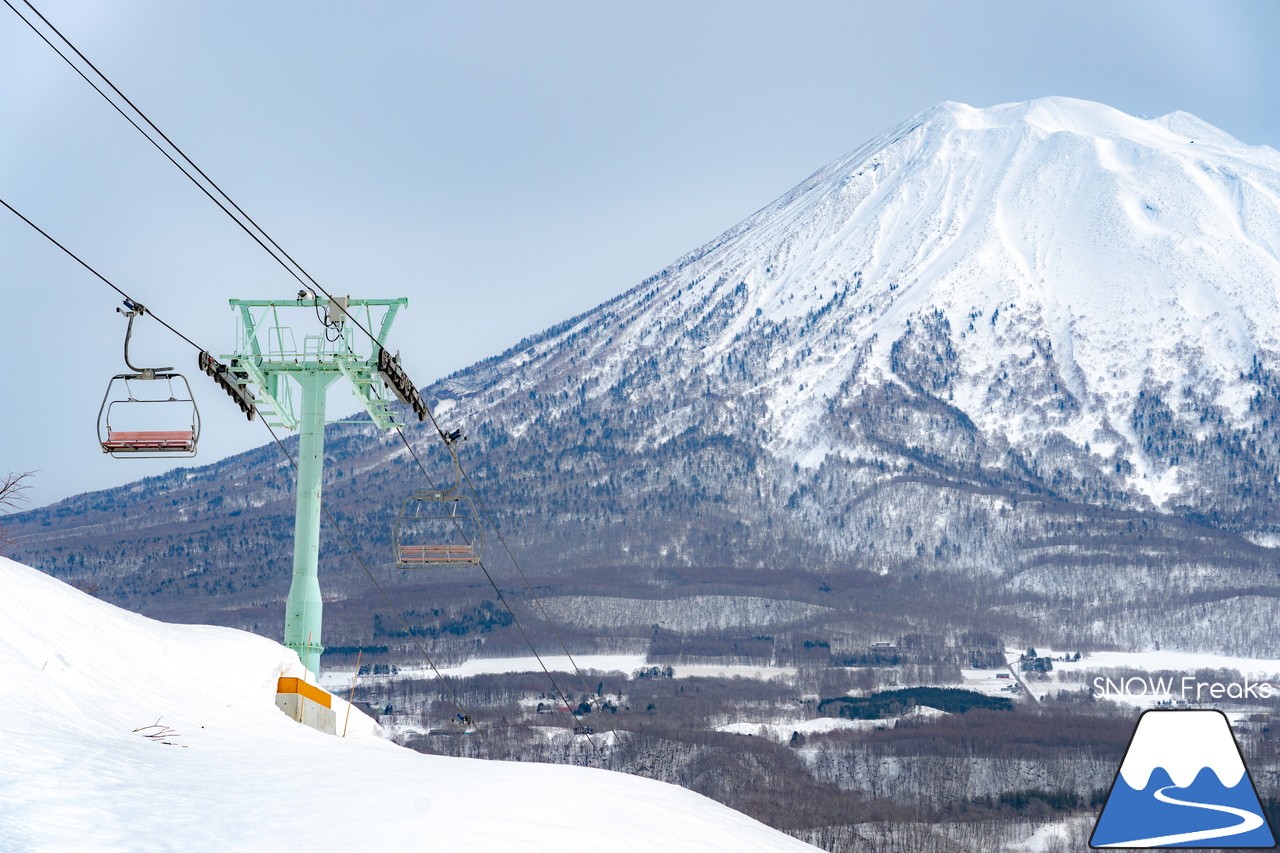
x=83, y=682
x=1035, y=343
x=1037, y=265
x=1088, y=300
x=1051, y=240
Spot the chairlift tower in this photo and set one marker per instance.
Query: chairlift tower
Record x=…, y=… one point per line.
x=269, y=356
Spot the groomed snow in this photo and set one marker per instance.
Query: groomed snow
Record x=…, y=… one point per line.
x=1158, y=660
x=78, y=676
x=822, y=725
x=1189, y=662
x=758, y=673
x=340, y=678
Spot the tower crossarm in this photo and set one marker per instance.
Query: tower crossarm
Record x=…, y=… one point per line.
x=268, y=351
x=371, y=390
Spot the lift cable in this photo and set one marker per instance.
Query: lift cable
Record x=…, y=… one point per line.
x=258, y=234
x=221, y=202
x=354, y=553
x=215, y=193
x=332, y=520
x=97, y=274
x=537, y=599
x=456, y=701
x=503, y=599
x=187, y=166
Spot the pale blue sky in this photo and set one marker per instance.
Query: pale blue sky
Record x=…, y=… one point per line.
x=504, y=165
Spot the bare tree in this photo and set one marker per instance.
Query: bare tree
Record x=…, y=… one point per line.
x=12, y=486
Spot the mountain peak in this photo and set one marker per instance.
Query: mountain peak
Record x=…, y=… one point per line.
x=1043, y=267
x=1059, y=114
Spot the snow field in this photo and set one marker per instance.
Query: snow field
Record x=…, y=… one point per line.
x=782, y=732
x=339, y=678
x=1255, y=670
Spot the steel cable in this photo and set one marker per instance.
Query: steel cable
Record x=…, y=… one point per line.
x=246, y=223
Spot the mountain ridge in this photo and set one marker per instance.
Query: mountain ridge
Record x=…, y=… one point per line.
x=1077, y=377
x=867, y=374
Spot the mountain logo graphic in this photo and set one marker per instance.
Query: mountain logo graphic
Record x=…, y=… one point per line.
x=1183, y=783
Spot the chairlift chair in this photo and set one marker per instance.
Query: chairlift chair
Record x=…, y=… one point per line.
x=149, y=413
x=439, y=528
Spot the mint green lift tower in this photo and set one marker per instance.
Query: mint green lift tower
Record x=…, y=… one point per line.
x=273, y=359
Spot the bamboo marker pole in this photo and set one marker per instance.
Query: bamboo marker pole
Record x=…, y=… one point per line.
x=305, y=673
x=306, y=659
x=352, y=694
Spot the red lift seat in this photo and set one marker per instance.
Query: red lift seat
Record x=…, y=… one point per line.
x=436, y=555
x=150, y=441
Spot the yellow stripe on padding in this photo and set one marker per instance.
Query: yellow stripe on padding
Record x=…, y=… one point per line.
x=305, y=690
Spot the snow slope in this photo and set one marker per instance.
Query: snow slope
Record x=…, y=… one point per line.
x=1039, y=266
x=78, y=676
x=1126, y=249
